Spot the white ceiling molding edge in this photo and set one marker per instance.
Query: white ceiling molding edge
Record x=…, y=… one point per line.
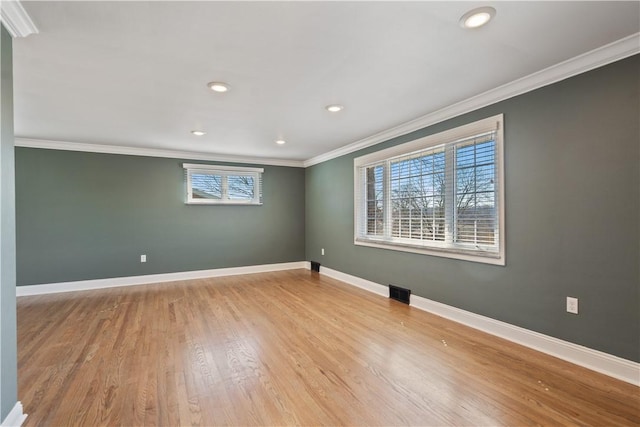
x=599, y=57
x=151, y=152
x=15, y=19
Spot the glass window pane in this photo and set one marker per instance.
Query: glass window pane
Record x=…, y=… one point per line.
x=374, y=202
x=206, y=186
x=241, y=187
x=439, y=197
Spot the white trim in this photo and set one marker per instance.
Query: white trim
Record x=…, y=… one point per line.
x=150, y=152
x=598, y=57
x=365, y=284
x=497, y=258
x=15, y=417
x=15, y=19
x=224, y=172
x=207, y=167
x=447, y=248
x=466, y=131
x=595, y=360
x=595, y=58
x=85, y=285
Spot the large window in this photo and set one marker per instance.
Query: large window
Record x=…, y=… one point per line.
x=439, y=195
x=208, y=184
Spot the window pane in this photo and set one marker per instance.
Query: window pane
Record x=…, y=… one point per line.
x=433, y=218
x=465, y=156
x=206, y=186
x=212, y=185
x=374, y=203
x=441, y=195
x=241, y=187
x=415, y=168
x=438, y=162
x=485, y=178
x=417, y=196
x=485, y=152
x=475, y=193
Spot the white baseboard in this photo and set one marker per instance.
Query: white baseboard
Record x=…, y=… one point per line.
x=367, y=285
x=595, y=360
x=85, y=285
x=15, y=417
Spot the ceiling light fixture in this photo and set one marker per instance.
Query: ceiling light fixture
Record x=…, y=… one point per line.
x=334, y=108
x=218, y=86
x=198, y=132
x=281, y=142
x=477, y=17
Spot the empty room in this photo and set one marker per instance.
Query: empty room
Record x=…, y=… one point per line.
x=320, y=213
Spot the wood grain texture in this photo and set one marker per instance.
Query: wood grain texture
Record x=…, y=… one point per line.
x=287, y=348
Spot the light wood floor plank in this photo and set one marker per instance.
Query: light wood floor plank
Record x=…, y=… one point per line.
x=286, y=348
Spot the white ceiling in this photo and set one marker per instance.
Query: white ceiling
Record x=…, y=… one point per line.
x=134, y=74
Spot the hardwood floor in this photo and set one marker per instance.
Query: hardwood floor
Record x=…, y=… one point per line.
x=287, y=348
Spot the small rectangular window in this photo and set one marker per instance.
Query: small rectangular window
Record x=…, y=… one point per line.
x=211, y=184
x=439, y=195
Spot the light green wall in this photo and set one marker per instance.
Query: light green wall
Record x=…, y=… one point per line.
x=8, y=343
x=90, y=216
x=572, y=155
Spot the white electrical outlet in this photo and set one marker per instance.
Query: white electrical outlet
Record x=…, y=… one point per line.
x=322, y=250
x=143, y=258
x=572, y=305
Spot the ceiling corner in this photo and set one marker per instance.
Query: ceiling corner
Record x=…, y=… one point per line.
x=16, y=20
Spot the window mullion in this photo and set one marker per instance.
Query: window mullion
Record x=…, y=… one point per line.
x=362, y=197
x=449, y=194
x=212, y=184
x=386, y=198
x=225, y=187
x=437, y=195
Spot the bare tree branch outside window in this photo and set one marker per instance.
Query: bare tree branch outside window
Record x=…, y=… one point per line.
x=206, y=186
x=440, y=194
x=241, y=187
x=418, y=196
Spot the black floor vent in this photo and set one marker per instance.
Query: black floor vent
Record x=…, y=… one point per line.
x=315, y=266
x=399, y=294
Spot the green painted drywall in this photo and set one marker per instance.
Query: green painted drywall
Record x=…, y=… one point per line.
x=8, y=343
x=87, y=216
x=572, y=155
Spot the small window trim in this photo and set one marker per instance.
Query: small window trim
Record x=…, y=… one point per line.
x=224, y=171
x=494, y=123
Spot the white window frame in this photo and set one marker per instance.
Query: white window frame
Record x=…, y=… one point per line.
x=434, y=248
x=224, y=172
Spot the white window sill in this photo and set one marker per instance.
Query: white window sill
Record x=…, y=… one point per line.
x=482, y=257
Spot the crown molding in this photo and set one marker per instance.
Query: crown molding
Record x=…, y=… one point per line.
x=151, y=152
x=599, y=57
x=15, y=19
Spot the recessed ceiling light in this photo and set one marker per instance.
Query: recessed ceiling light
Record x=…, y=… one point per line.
x=334, y=108
x=218, y=86
x=477, y=17
x=281, y=142
x=198, y=132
